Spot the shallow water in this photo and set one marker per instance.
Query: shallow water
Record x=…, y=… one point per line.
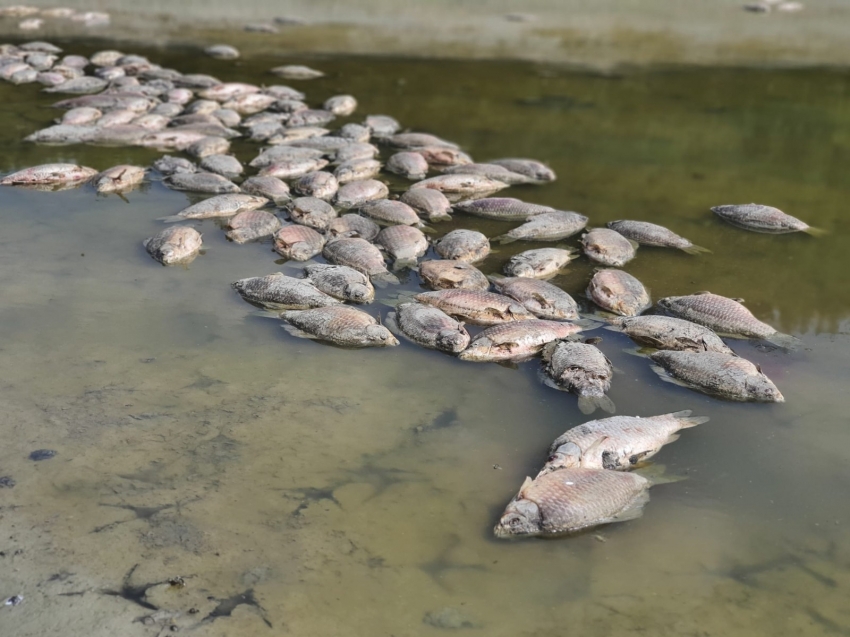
x=303, y=489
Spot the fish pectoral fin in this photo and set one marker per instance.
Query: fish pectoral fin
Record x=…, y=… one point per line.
x=670, y=438
x=667, y=378
x=297, y=332
x=589, y=404
x=632, y=511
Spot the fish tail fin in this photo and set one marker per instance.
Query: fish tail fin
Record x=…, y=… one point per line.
x=589, y=404
x=672, y=438
x=504, y=238
x=815, y=232
x=657, y=474
x=694, y=249
x=785, y=341
x=265, y=314
x=172, y=219
x=686, y=420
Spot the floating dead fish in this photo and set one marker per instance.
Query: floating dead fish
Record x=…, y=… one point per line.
x=312, y=212
x=608, y=247
x=168, y=165
x=441, y=157
x=408, y=164
x=284, y=153
x=227, y=91
x=389, y=212
x=429, y=327
x=118, y=179
x=542, y=263
x=222, y=52
x=49, y=174
x=174, y=245
x=252, y=225
x=201, y=182
x=382, y=125
x=224, y=165
x=79, y=86
x=492, y=171
x=296, y=72
x=250, y=104
x=352, y=225
x=442, y=274
x=455, y=186
x=208, y=146
x=542, y=299
x=341, y=282
x=581, y=369
x=81, y=115
x=503, y=208
x=618, y=292
x=355, y=132
x=293, y=168
x=298, y=243
x=547, y=226
x=725, y=376
x=63, y=134
x=279, y=292
x=360, y=255
x=619, y=443
x=404, y=244
x=463, y=245
x=651, y=234
x=310, y=117
x=418, y=140
x=339, y=324
x=666, y=332
x=319, y=184
x=341, y=105
x=476, y=307
x=225, y=205
x=572, y=500
x=357, y=169
x=430, y=205
x=766, y=219
x=516, y=341
x=269, y=187
x=529, y=167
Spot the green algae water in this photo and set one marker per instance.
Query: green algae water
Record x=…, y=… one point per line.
x=215, y=474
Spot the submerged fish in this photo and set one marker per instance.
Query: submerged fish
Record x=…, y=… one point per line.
x=618, y=292
x=571, y=500
x=251, y=225
x=581, y=369
x=340, y=325
x=441, y=274
x=542, y=263
x=298, y=243
x=666, y=332
x=476, y=307
x=760, y=218
x=618, y=443
x=723, y=315
x=542, y=299
x=341, y=282
x=219, y=206
x=463, y=245
x=650, y=234
x=547, y=226
x=608, y=247
x=725, y=376
x=49, y=174
x=430, y=327
x=118, y=179
x=279, y=292
x=516, y=341
x=177, y=244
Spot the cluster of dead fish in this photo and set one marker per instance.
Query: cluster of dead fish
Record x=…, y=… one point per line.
x=34, y=17
x=316, y=193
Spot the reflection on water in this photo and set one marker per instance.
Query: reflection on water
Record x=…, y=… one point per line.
x=214, y=472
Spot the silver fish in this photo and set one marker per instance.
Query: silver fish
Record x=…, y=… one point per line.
x=49, y=174
x=542, y=263
x=408, y=164
x=284, y=153
x=227, y=91
x=357, y=193
x=618, y=292
x=382, y=125
x=618, y=443
x=542, y=299
x=405, y=244
x=224, y=165
x=358, y=254
x=318, y=184
x=168, y=165
x=298, y=243
x=528, y=167
x=725, y=376
x=666, y=332
x=475, y=307
x=352, y=225
x=339, y=324
x=250, y=104
x=252, y=225
x=455, y=186
x=296, y=72
x=504, y=208
x=388, y=212
x=81, y=115
x=312, y=212
x=292, y=168
x=429, y=327
x=463, y=245
x=220, y=206
x=279, y=292
x=222, y=52
x=418, y=140
x=430, y=205
x=63, y=134
x=356, y=169
x=118, y=179
x=547, y=226
x=581, y=369
x=341, y=282
x=176, y=244
x=442, y=274
x=723, y=315
x=760, y=218
x=650, y=234
x=355, y=132
x=79, y=86
x=310, y=117
x=208, y=146
x=341, y=105
x=354, y=150
x=442, y=157
x=516, y=341
x=608, y=247
x=492, y=171
x=571, y=500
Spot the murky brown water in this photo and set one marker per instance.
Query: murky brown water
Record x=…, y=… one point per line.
x=306, y=490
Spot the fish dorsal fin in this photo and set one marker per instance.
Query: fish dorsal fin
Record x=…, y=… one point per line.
x=526, y=483
x=701, y=292
x=738, y=299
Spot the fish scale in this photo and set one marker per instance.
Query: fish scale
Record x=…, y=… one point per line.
x=667, y=332
x=542, y=299
x=340, y=325
x=446, y=274
x=430, y=327
x=476, y=307
x=652, y=234
x=618, y=292
x=517, y=340
x=251, y=225
x=278, y=291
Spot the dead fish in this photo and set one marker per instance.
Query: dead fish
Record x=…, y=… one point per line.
x=382, y=125
x=284, y=153
x=222, y=52
x=176, y=244
x=442, y=274
x=581, y=369
x=608, y=247
x=359, y=254
x=310, y=117
x=759, y=218
x=167, y=139
x=619, y=443
x=476, y=307
x=651, y=234
x=168, y=165
x=542, y=299
x=226, y=116
x=293, y=168
x=618, y=292
x=531, y=168
x=111, y=101
x=463, y=245
x=151, y=122
x=441, y=157
x=279, y=292
x=405, y=244
x=666, y=332
x=725, y=376
x=388, y=212
x=340, y=105
x=227, y=91
x=49, y=174
x=492, y=171
x=296, y=72
x=319, y=184
x=571, y=500
x=516, y=341
x=63, y=134
x=539, y=264
x=118, y=179
x=430, y=205
x=504, y=208
x=197, y=108
x=252, y=225
x=547, y=226
x=455, y=186
x=418, y=140
x=225, y=205
x=80, y=116
x=250, y=104
x=329, y=146
x=105, y=58
x=429, y=327
x=352, y=225
x=339, y=324
x=357, y=169
x=341, y=282
x=208, y=146
x=79, y=86
x=269, y=187
x=224, y=165
x=312, y=212
x=725, y=316
x=117, y=117
x=354, y=150
x=357, y=193
x=284, y=92
x=298, y=243
x=408, y=164
x=355, y=132
x=197, y=81
x=131, y=135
